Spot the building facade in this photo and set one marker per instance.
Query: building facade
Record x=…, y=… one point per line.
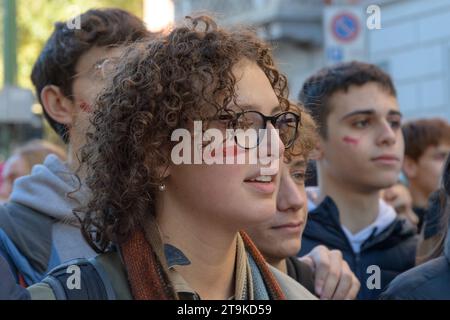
x=413, y=44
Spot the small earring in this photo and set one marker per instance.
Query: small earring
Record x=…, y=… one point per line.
x=162, y=187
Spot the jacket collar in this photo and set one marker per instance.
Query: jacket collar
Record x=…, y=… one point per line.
x=249, y=283
x=327, y=216
x=447, y=246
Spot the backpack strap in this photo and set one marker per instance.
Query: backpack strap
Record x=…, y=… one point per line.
x=94, y=283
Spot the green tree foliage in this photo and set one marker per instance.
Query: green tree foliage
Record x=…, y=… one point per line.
x=35, y=20
x=1, y=46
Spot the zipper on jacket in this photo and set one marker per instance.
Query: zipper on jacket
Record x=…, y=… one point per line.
x=357, y=265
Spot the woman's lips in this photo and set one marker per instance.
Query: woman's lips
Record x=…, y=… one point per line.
x=290, y=227
x=262, y=187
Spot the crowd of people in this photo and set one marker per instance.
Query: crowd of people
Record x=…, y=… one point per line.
x=356, y=207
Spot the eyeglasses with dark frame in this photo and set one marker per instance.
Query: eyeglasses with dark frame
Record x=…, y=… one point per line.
x=286, y=122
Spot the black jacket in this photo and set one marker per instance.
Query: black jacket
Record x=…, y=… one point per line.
x=429, y=281
x=393, y=250
x=301, y=272
x=433, y=215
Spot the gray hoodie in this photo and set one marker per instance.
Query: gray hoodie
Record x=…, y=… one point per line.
x=38, y=229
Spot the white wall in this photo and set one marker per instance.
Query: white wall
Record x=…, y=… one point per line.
x=298, y=64
x=414, y=47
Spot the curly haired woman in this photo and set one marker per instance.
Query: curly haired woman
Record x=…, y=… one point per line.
x=172, y=231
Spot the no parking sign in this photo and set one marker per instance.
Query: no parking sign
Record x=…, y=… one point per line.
x=345, y=27
x=344, y=34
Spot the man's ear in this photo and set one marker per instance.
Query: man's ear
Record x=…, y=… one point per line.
x=57, y=105
x=410, y=168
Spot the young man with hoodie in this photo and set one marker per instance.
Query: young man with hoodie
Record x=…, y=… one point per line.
x=37, y=227
x=360, y=152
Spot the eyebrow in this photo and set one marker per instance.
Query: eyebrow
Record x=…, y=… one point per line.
x=251, y=107
x=369, y=112
x=298, y=163
x=276, y=109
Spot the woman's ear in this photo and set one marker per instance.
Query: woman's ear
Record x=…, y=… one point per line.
x=57, y=105
x=409, y=168
x=164, y=171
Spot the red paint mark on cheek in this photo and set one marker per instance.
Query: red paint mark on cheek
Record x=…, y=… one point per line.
x=351, y=141
x=230, y=151
x=85, y=107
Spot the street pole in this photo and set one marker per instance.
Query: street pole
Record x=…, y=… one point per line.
x=10, y=38
x=9, y=63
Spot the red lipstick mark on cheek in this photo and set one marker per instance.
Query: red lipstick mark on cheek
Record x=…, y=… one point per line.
x=85, y=107
x=231, y=151
x=351, y=141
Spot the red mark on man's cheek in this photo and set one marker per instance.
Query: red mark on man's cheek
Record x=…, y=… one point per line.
x=86, y=107
x=350, y=140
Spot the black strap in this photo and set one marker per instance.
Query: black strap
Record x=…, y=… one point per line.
x=94, y=284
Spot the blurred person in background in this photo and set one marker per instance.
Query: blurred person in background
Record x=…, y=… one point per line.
x=399, y=197
x=22, y=161
x=427, y=144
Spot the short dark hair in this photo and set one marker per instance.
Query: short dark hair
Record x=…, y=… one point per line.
x=56, y=62
x=319, y=87
x=420, y=134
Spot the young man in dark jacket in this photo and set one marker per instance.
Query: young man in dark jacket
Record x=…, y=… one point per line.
x=360, y=152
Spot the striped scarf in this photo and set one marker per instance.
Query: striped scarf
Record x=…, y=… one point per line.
x=146, y=267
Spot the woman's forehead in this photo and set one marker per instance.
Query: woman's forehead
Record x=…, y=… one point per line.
x=253, y=88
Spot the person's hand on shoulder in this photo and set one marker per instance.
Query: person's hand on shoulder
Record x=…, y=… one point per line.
x=333, y=278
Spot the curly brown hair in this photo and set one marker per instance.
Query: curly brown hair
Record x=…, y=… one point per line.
x=308, y=136
x=159, y=86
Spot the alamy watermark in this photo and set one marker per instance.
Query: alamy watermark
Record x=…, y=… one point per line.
x=373, y=22
x=374, y=280
x=74, y=280
x=75, y=22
